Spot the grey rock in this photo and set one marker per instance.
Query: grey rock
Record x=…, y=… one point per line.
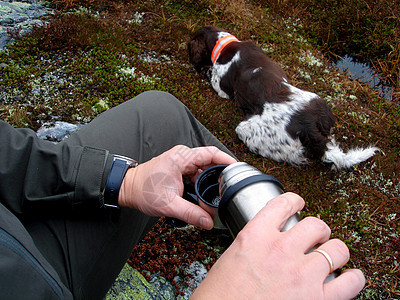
x=5, y=8
x=19, y=15
x=57, y=130
x=6, y=21
x=17, y=6
x=5, y=39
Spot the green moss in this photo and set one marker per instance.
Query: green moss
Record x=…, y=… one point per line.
x=130, y=284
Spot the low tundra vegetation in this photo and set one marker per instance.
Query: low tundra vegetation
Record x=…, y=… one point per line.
x=92, y=55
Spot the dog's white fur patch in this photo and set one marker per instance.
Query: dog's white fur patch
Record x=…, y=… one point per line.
x=219, y=71
x=266, y=134
x=221, y=34
x=339, y=159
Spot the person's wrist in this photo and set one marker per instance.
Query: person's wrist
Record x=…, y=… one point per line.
x=119, y=167
x=127, y=187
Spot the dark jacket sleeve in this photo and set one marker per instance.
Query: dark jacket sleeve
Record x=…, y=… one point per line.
x=37, y=175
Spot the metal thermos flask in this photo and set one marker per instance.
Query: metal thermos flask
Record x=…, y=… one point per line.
x=244, y=191
x=234, y=194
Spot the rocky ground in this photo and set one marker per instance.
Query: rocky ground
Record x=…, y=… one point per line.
x=19, y=16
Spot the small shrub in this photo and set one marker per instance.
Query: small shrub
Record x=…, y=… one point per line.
x=75, y=31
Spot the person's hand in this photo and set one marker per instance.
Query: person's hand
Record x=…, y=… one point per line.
x=156, y=187
x=264, y=263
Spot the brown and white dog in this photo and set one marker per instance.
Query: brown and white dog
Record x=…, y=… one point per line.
x=281, y=122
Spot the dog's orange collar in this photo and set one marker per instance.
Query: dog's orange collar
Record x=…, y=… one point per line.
x=220, y=45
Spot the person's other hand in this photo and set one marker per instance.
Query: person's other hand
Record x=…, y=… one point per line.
x=265, y=263
x=156, y=187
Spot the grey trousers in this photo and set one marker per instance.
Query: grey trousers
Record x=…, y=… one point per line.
x=88, y=251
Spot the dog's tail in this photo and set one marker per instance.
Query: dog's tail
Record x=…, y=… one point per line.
x=340, y=159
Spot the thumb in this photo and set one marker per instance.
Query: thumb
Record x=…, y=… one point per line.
x=190, y=213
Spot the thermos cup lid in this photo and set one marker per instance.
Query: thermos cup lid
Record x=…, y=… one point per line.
x=207, y=184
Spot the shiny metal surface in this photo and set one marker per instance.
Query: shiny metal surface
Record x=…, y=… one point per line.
x=248, y=201
x=234, y=173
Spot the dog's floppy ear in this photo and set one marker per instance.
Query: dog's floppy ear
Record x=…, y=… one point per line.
x=198, y=53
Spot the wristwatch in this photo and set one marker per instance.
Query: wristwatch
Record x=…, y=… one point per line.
x=119, y=166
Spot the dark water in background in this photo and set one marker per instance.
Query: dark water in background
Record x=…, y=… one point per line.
x=365, y=73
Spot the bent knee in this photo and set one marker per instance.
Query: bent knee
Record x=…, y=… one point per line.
x=156, y=99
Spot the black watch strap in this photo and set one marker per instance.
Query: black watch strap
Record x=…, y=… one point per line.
x=118, y=170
